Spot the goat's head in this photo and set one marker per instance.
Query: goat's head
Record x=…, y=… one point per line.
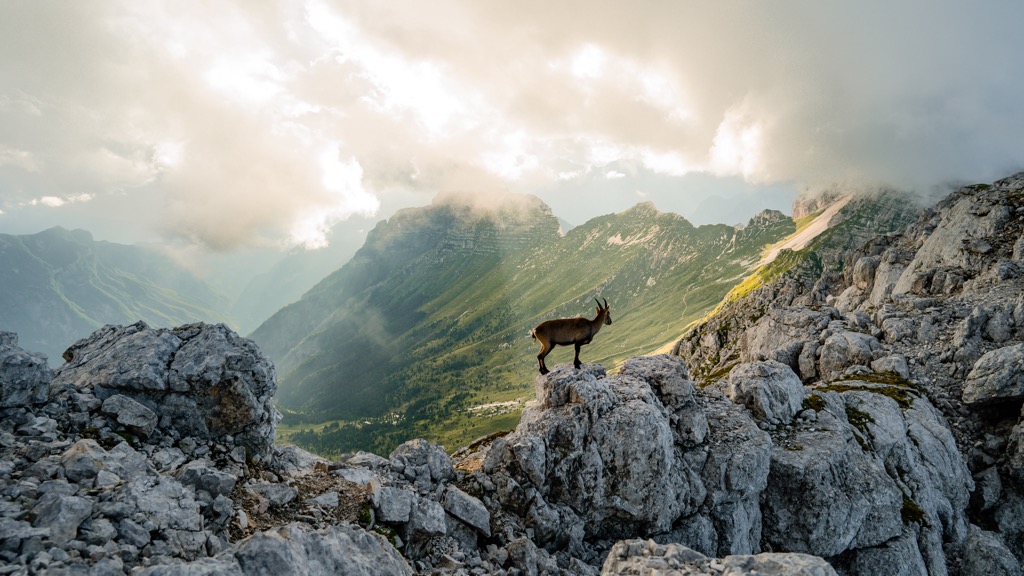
x=604, y=309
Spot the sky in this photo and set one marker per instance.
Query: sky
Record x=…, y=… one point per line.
x=221, y=126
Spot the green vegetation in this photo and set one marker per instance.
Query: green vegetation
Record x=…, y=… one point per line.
x=814, y=402
x=888, y=384
x=805, y=221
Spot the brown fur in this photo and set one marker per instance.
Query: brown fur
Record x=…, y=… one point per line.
x=566, y=331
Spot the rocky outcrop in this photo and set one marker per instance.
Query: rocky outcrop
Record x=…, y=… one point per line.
x=912, y=348
x=196, y=381
x=24, y=376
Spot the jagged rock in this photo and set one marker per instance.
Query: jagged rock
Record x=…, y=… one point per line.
x=608, y=454
x=395, y=504
x=86, y=459
x=956, y=242
x=298, y=549
x=825, y=495
x=469, y=509
x=423, y=463
x=998, y=375
x=61, y=515
x=131, y=414
x=770, y=390
x=277, y=494
x=641, y=558
x=202, y=475
x=24, y=376
x=985, y=554
x=201, y=381
x=844, y=349
x=782, y=334
x=897, y=557
x=734, y=475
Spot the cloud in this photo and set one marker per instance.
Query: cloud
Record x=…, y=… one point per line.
x=242, y=124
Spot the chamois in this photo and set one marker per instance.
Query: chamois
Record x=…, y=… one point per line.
x=566, y=331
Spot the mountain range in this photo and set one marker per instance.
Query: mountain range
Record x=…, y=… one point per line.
x=59, y=285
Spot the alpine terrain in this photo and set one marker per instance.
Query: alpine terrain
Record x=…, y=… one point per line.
x=426, y=330
x=858, y=412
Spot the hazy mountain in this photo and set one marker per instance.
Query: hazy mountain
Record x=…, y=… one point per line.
x=432, y=315
x=60, y=285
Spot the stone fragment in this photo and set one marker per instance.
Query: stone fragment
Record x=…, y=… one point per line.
x=203, y=475
x=395, y=504
x=278, y=494
x=61, y=515
x=468, y=509
x=631, y=557
x=130, y=414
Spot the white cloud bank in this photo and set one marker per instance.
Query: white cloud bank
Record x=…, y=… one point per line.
x=255, y=124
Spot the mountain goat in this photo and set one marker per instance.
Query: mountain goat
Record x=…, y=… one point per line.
x=566, y=331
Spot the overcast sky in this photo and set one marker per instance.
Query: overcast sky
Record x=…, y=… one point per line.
x=227, y=125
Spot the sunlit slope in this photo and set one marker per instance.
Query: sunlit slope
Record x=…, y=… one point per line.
x=432, y=315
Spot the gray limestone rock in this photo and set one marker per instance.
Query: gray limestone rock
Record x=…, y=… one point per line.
x=130, y=413
x=200, y=380
x=24, y=376
x=997, y=375
x=395, y=504
x=202, y=475
x=844, y=349
x=770, y=390
x=276, y=493
x=640, y=557
x=423, y=463
x=297, y=549
x=828, y=497
x=61, y=515
x=985, y=554
x=469, y=509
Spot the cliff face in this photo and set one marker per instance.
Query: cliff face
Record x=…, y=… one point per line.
x=934, y=313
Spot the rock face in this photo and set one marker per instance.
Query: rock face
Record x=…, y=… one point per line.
x=24, y=376
x=911, y=346
x=195, y=381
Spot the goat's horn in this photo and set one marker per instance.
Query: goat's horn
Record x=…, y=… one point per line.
x=598, y=301
x=606, y=303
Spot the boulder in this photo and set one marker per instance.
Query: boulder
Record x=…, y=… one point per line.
x=469, y=509
x=770, y=390
x=61, y=515
x=131, y=414
x=297, y=549
x=844, y=349
x=200, y=381
x=24, y=376
x=996, y=376
x=985, y=554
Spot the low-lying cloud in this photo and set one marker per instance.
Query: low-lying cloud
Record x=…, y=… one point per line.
x=255, y=124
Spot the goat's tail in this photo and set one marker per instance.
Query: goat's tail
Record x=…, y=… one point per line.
x=533, y=333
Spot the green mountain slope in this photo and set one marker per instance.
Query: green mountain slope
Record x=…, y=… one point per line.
x=59, y=286
x=431, y=317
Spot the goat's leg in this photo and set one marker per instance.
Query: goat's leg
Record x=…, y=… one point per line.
x=545, y=348
x=576, y=359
